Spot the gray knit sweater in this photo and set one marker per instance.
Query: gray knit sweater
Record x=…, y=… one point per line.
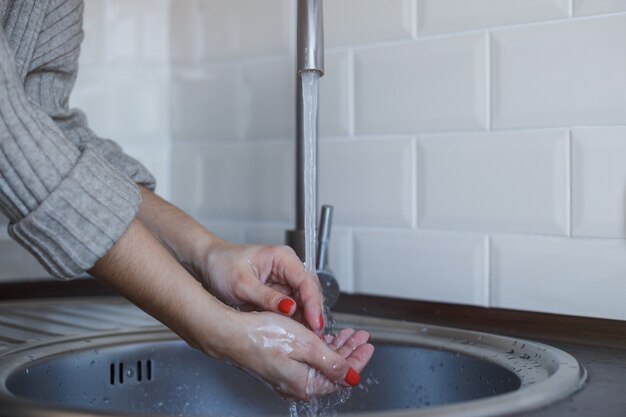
x=68, y=194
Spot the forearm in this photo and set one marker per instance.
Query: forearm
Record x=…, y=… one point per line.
x=140, y=269
x=187, y=240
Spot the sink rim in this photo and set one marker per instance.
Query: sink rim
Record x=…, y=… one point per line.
x=565, y=374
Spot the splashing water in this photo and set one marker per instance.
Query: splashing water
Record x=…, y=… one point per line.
x=310, y=93
x=320, y=407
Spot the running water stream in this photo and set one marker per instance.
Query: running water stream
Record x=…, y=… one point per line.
x=325, y=406
x=310, y=93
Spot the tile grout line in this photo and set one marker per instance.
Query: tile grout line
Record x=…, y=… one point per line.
x=351, y=94
x=570, y=181
x=415, y=184
x=488, y=275
x=489, y=81
x=351, y=260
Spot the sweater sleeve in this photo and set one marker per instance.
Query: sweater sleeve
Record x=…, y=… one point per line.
x=50, y=82
x=65, y=203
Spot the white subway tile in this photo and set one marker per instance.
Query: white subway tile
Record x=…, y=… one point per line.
x=588, y=7
x=266, y=234
x=207, y=106
x=339, y=252
x=186, y=45
x=18, y=264
x=599, y=182
x=136, y=31
x=185, y=180
x=369, y=182
x=563, y=276
x=494, y=182
x=425, y=266
x=128, y=106
x=438, y=16
x=248, y=181
x=434, y=85
x=92, y=47
x=560, y=74
x=334, y=100
x=349, y=22
x=156, y=159
x=243, y=28
x=270, y=101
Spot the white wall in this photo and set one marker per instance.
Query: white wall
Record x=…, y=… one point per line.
x=475, y=150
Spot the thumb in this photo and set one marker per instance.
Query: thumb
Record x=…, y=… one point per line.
x=269, y=299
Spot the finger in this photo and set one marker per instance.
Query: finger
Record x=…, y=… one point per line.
x=342, y=338
x=360, y=357
x=328, y=362
x=355, y=340
x=283, y=289
x=266, y=298
x=290, y=271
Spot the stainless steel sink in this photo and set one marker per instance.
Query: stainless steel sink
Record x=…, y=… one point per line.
x=417, y=370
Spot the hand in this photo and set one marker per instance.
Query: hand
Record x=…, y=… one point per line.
x=295, y=362
x=271, y=278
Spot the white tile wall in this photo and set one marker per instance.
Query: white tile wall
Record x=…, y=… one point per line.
x=349, y=22
x=369, y=182
x=483, y=182
x=269, y=109
x=248, y=181
x=439, y=16
x=566, y=276
x=589, y=7
x=425, y=266
x=448, y=126
x=561, y=74
x=220, y=91
x=335, y=102
x=418, y=87
x=128, y=106
x=135, y=32
x=599, y=182
x=207, y=105
x=186, y=171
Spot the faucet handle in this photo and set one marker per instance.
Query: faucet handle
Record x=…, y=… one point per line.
x=330, y=287
x=326, y=219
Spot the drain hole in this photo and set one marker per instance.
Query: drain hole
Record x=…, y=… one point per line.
x=117, y=370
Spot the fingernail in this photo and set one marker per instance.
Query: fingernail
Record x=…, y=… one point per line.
x=353, y=378
x=285, y=305
x=321, y=322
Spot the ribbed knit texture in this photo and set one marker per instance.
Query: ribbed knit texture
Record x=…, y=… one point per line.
x=69, y=195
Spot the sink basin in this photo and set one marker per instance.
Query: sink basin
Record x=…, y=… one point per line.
x=416, y=370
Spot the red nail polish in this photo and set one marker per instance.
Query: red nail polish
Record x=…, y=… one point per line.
x=321, y=322
x=285, y=305
x=353, y=378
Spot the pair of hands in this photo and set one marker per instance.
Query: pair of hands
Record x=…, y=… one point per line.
x=283, y=343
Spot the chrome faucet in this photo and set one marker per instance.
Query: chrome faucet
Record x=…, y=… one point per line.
x=310, y=57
